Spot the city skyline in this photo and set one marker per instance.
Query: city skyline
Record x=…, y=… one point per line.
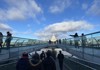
x=40, y=19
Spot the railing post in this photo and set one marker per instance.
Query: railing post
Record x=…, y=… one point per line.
x=9, y=53
x=82, y=51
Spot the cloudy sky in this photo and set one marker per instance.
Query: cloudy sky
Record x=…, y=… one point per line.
x=40, y=19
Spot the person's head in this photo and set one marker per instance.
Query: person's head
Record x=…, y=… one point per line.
x=1, y=33
x=25, y=55
x=42, y=51
x=60, y=52
x=82, y=34
x=8, y=32
x=48, y=53
x=36, y=52
x=76, y=34
x=53, y=49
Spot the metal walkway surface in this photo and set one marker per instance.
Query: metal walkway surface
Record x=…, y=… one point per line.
x=80, y=65
x=69, y=64
x=12, y=66
x=58, y=68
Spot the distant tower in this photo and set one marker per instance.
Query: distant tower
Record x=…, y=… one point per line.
x=53, y=38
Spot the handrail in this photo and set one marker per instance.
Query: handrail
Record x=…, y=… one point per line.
x=91, y=39
x=80, y=64
x=93, y=63
x=14, y=41
x=93, y=33
x=8, y=64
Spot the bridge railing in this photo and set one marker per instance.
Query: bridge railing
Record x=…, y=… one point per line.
x=89, y=50
x=18, y=46
x=91, y=40
x=17, y=42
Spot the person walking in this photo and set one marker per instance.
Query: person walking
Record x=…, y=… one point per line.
x=1, y=40
x=36, y=62
x=54, y=53
x=48, y=62
x=8, y=39
x=42, y=55
x=83, y=40
x=76, y=40
x=23, y=62
x=60, y=59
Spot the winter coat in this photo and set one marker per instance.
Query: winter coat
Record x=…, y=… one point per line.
x=23, y=64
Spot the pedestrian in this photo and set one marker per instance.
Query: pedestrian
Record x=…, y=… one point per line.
x=36, y=55
x=71, y=42
x=83, y=40
x=54, y=53
x=1, y=40
x=76, y=40
x=8, y=39
x=48, y=62
x=60, y=59
x=36, y=63
x=59, y=41
x=49, y=41
x=42, y=55
x=23, y=62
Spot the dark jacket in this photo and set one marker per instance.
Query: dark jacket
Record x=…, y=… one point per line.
x=23, y=64
x=42, y=56
x=60, y=57
x=49, y=64
x=36, y=65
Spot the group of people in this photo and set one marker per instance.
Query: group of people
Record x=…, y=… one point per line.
x=77, y=38
x=7, y=40
x=44, y=61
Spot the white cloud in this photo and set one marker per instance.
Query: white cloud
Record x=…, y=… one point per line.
x=68, y=26
x=95, y=8
x=60, y=29
x=20, y=9
x=5, y=27
x=59, y=6
x=24, y=34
